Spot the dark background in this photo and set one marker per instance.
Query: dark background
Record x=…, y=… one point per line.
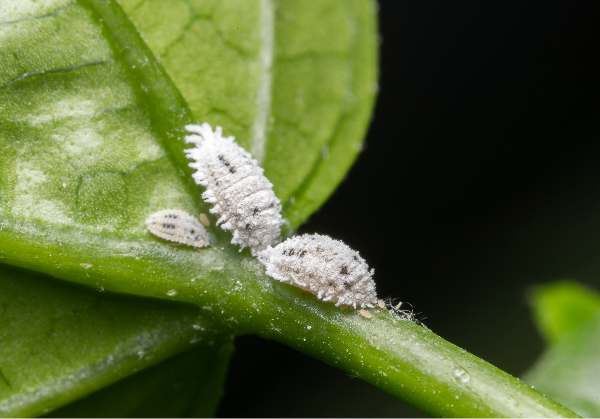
x=480, y=178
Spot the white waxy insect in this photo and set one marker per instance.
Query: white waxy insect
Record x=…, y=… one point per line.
x=326, y=267
x=237, y=187
x=178, y=226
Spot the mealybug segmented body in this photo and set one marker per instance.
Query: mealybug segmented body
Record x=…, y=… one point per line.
x=178, y=226
x=326, y=267
x=237, y=187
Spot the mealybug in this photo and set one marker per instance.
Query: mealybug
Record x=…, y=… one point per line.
x=178, y=226
x=365, y=313
x=237, y=187
x=326, y=267
x=204, y=220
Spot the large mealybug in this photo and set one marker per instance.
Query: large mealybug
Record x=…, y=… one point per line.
x=237, y=187
x=326, y=267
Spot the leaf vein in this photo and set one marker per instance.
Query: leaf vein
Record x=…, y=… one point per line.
x=264, y=98
x=3, y=378
x=56, y=70
x=185, y=29
x=51, y=14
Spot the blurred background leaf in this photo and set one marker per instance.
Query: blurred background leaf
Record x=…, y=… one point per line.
x=568, y=315
x=560, y=307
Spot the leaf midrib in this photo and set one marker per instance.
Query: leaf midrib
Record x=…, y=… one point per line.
x=265, y=91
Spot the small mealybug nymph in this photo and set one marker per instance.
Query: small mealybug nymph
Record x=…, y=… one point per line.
x=178, y=226
x=237, y=187
x=326, y=267
x=365, y=314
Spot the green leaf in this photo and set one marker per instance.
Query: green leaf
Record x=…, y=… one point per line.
x=569, y=369
x=274, y=73
x=187, y=385
x=562, y=306
x=60, y=341
x=78, y=150
x=91, y=144
x=77, y=145
x=397, y=356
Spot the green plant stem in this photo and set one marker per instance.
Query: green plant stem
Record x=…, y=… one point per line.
x=396, y=355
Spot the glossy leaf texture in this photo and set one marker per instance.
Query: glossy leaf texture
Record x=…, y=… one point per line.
x=568, y=315
x=274, y=73
x=91, y=132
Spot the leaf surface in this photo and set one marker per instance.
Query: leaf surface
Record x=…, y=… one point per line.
x=293, y=81
x=81, y=159
x=91, y=144
x=60, y=341
x=187, y=385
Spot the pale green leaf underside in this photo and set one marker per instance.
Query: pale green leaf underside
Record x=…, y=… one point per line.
x=293, y=81
x=76, y=147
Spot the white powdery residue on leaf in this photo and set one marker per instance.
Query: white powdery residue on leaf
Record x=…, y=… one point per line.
x=178, y=226
x=326, y=267
x=237, y=187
